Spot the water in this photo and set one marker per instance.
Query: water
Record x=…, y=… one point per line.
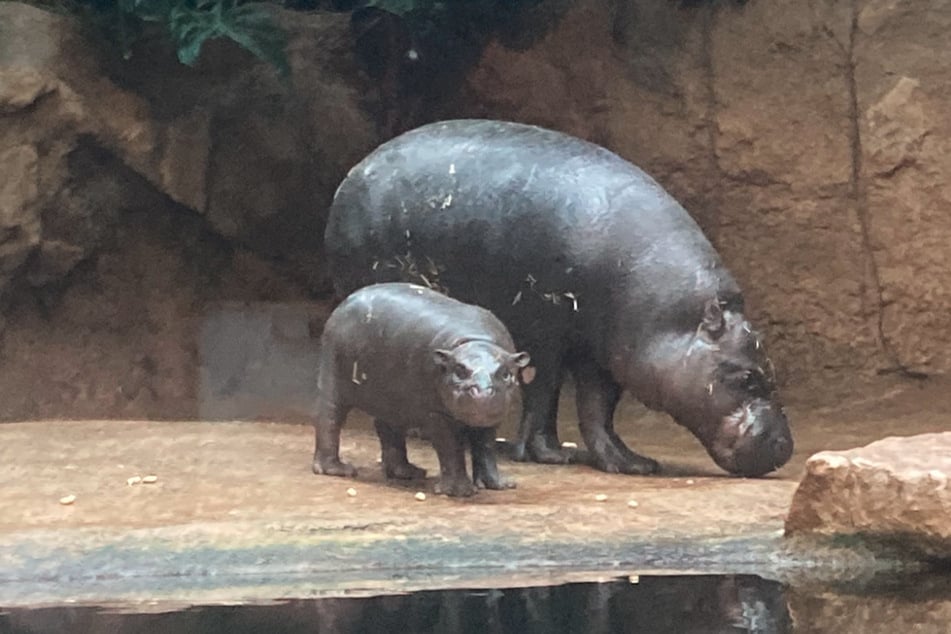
x=651, y=604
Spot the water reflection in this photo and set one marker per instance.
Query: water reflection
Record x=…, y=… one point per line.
x=683, y=605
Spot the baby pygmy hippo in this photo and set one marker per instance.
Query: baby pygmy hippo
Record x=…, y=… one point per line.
x=412, y=357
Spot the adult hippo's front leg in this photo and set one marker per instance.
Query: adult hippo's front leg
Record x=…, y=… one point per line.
x=597, y=396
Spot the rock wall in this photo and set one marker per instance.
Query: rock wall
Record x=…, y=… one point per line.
x=808, y=139
x=138, y=195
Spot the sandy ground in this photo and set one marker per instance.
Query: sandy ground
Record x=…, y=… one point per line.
x=239, y=489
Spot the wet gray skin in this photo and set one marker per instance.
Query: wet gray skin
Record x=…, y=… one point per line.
x=413, y=358
x=595, y=270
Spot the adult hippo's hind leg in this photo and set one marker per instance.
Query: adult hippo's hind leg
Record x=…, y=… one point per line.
x=597, y=398
x=328, y=421
x=393, y=453
x=485, y=470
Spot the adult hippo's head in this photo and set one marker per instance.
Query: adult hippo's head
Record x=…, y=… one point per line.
x=718, y=382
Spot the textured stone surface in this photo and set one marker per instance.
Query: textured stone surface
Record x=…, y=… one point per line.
x=905, y=139
x=895, y=488
x=257, y=157
x=137, y=194
x=810, y=141
x=807, y=139
x=123, y=338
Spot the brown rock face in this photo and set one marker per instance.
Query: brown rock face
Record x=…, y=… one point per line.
x=807, y=140
x=257, y=157
x=895, y=489
x=136, y=195
x=810, y=141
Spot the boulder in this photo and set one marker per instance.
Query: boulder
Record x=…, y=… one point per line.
x=894, y=490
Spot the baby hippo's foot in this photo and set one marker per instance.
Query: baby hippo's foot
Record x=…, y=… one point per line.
x=457, y=487
x=404, y=471
x=485, y=473
x=334, y=467
x=611, y=458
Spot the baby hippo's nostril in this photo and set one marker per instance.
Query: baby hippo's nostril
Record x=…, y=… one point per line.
x=480, y=392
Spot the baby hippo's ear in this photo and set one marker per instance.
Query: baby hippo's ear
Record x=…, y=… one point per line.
x=443, y=359
x=527, y=372
x=521, y=359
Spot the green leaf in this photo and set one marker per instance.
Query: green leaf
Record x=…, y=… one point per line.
x=250, y=26
x=400, y=7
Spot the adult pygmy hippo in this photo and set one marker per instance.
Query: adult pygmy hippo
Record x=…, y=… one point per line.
x=412, y=357
x=590, y=264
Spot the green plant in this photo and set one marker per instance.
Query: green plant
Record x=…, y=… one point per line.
x=191, y=23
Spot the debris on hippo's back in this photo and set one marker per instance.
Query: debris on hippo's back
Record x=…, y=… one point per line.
x=358, y=376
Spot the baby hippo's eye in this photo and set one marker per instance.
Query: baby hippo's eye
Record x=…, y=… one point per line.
x=461, y=372
x=505, y=375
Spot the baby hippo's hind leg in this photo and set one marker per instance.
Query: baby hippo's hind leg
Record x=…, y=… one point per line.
x=485, y=470
x=329, y=421
x=393, y=452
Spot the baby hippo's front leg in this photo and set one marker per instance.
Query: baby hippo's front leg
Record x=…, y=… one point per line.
x=485, y=470
x=449, y=440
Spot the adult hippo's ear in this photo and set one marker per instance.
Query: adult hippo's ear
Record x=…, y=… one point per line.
x=713, y=323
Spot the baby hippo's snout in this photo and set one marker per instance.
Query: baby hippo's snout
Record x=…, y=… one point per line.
x=753, y=440
x=481, y=393
x=485, y=401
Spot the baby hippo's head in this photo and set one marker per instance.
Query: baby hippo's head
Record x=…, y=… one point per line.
x=479, y=381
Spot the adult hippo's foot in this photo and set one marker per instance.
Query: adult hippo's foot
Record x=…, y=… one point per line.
x=546, y=449
x=612, y=458
x=541, y=448
x=404, y=471
x=334, y=467
x=456, y=487
x=597, y=398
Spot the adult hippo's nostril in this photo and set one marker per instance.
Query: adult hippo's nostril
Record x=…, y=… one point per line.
x=781, y=446
x=782, y=449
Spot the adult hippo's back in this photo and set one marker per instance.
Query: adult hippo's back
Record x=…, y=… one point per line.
x=590, y=264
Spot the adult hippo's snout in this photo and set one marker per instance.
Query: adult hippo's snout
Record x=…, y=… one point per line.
x=753, y=440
